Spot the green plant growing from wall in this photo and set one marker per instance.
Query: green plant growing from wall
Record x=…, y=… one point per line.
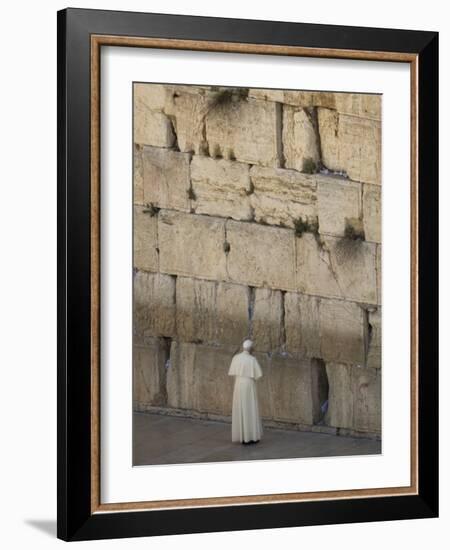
x=151, y=209
x=305, y=226
x=309, y=166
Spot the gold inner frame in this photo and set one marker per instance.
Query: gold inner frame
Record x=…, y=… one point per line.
x=97, y=41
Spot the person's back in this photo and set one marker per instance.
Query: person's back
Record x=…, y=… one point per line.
x=246, y=420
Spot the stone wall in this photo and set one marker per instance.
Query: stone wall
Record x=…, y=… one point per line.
x=257, y=213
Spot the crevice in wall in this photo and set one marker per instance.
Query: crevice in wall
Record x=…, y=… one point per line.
x=321, y=387
x=279, y=134
x=283, y=323
x=312, y=114
x=173, y=126
x=251, y=309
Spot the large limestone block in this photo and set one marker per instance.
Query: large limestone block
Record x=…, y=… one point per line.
x=232, y=313
x=339, y=203
x=210, y=311
x=261, y=255
x=197, y=378
x=302, y=324
x=351, y=144
x=372, y=212
x=196, y=310
x=266, y=95
x=282, y=196
x=182, y=390
x=152, y=127
x=337, y=268
x=294, y=388
x=166, y=178
x=245, y=130
x=340, y=396
x=374, y=337
x=192, y=245
x=267, y=319
x=154, y=305
x=145, y=241
x=150, y=96
x=149, y=373
x=329, y=329
x=366, y=399
x=188, y=106
x=138, y=176
x=300, y=144
x=221, y=188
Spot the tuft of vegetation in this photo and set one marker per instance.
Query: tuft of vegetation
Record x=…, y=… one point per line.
x=226, y=247
x=151, y=209
x=191, y=194
x=306, y=226
x=229, y=95
x=354, y=229
x=309, y=166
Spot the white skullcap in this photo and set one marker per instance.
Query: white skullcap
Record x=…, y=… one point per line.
x=247, y=345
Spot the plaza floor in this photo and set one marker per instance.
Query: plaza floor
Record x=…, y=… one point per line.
x=161, y=439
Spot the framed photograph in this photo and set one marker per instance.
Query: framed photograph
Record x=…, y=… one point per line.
x=247, y=257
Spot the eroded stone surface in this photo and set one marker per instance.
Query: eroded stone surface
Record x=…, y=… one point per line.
x=166, y=178
x=372, y=212
x=267, y=319
x=154, y=305
x=138, y=175
x=149, y=373
x=260, y=255
x=340, y=398
x=221, y=188
x=366, y=392
x=330, y=329
x=351, y=144
x=192, y=245
x=212, y=312
x=245, y=131
x=282, y=196
x=337, y=268
x=339, y=202
x=300, y=144
x=145, y=242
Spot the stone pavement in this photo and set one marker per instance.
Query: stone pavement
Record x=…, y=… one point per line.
x=160, y=439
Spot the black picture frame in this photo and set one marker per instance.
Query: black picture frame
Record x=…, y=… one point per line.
x=76, y=520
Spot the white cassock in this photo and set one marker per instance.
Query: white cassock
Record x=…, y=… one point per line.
x=246, y=422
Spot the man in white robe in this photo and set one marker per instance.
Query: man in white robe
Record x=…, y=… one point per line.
x=246, y=425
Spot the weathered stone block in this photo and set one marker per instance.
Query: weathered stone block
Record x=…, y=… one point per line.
x=366, y=399
x=339, y=201
x=166, y=178
x=154, y=305
x=182, y=389
x=232, y=313
x=329, y=329
x=196, y=310
x=342, y=331
x=351, y=144
x=145, y=242
x=221, y=188
x=340, y=396
x=374, y=337
x=245, y=131
x=152, y=127
x=188, y=107
x=138, y=175
x=372, y=212
x=150, y=96
x=149, y=373
x=197, y=378
x=282, y=196
x=293, y=395
x=299, y=138
x=260, y=255
x=267, y=319
x=337, y=268
x=210, y=311
x=192, y=245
